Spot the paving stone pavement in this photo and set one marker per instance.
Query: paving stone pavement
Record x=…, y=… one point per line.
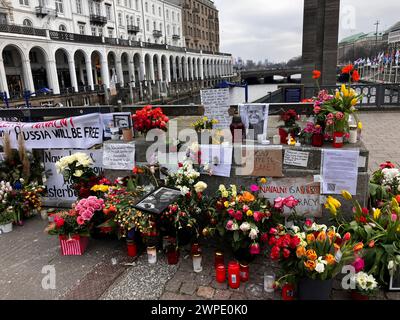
x=102, y=272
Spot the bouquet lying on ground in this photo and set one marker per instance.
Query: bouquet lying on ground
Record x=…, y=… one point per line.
x=384, y=184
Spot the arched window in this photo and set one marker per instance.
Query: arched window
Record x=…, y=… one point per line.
x=147, y=25
x=161, y=26
x=146, y=7
x=62, y=28
x=27, y=23
x=154, y=25
x=159, y=11
x=153, y=9
x=168, y=30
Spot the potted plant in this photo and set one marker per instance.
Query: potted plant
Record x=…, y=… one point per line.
x=290, y=126
x=365, y=286
x=313, y=254
x=6, y=219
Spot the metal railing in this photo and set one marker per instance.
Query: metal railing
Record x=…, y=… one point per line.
x=74, y=37
x=11, y=28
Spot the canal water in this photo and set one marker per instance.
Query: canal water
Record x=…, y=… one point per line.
x=256, y=92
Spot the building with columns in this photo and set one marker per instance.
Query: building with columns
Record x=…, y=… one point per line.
x=64, y=53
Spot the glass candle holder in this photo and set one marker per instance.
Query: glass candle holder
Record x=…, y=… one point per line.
x=197, y=267
x=277, y=139
x=269, y=282
x=234, y=274
x=132, y=249
x=244, y=272
x=196, y=249
x=219, y=258
x=220, y=272
x=353, y=135
x=152, y=255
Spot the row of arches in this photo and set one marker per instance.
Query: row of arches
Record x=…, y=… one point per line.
x=82, y=69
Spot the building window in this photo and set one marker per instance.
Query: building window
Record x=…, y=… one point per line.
x=94, y=31
x=79, y=6
x=167, y=14
x=147, y=25
x=168, y=30
x=173, y=15
x=154, y=25
x=110, y=33
x=108, y=13
x=161, y=27
x=146, y=7
x=100, y=32
x=27, y=23
x=138, y=22
x=159, y=11
x=120, y=19
x=82, y=29
x=59, y=6
x=153, y=10
x=62, y=28
x=24, y=2
x=137, y=4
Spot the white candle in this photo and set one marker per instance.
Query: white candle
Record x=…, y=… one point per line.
x=277, y=139
x=269, y=281
x=197, y=263
x=353, y=135
x=152, y=255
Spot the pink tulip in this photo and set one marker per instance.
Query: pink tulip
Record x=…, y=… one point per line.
x=394, y=217
x=291, y=202
x=279, y=202
x=255, y=249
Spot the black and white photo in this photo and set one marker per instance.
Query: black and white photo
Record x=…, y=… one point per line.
x=122, y=121
x=159, y=200
x=255, y=119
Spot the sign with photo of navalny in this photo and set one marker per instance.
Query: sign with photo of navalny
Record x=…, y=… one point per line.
x=82, y=132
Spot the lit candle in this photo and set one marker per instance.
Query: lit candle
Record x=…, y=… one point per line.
x=234, y=275
x=220, y=273
x=197, y=263
x=152, y=255
x=269, y=282
x=353, y=135
x=244, y=272
x=219, y=258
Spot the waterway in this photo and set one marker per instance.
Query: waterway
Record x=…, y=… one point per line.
x=256, y=92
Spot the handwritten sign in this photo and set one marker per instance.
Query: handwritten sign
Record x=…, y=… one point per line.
x=81, y=132
x=57, y=191
x=296, y=158
x=219, y=159
x=262, y=162
x=119, y=156
x=216, y=105
x=304, y=189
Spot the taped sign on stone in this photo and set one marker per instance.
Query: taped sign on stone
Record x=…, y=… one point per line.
x=262, y=162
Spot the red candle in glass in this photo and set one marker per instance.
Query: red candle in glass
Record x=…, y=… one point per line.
x=172, y=256
x=234, y=274
x=196, y=249
x=244, y=272
x=132, y=249
x=219, y=258
x=317, y=140
x=338, y=139
x=220, y=273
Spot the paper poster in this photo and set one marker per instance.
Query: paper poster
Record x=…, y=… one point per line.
x=119, y=155
x=57, y=190
x=255, y=119
x=82, y=132
x=219, y=159
x=262, y=162
x=339, y=171
x=296, y=158
x=304, y=189
x=216, y=105
x=108, y=121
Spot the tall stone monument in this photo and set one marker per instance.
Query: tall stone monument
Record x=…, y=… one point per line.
x=320, y=40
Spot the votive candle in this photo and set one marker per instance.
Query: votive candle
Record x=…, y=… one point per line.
x=220, y=273
x=197, y=267
x=152, y=255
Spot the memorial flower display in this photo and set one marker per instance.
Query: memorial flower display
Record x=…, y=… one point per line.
x=384, y=184
x=365, y=285
x=290, y=126
x=7, y=211
x=243, y=218
x=204, y=124
x=379, y=230
x=148, y=118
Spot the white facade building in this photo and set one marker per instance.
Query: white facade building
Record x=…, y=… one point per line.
x=48, y=44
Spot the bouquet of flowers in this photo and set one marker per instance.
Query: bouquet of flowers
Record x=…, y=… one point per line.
x=384, y=183
x=69, y=223
x=310, y=130
x=243, y=218
x=204, y=124
x=290, y=126
x=378, y=228
x=289, y=118
x=31, y=201
x=311, y=251
x=365, y=284
x=7, y=212
x=148, y=118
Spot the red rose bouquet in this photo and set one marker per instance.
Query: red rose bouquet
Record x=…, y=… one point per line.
x=148, y=118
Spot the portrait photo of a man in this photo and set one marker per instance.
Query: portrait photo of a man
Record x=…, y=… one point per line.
x=255, y=119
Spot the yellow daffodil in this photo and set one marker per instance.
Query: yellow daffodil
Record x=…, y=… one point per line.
x=337, y=96
x=360, y=125
x=344, y=90
x=354, y=101
x=377, y=214
x=347, y=195
x=332, y=205
x=352, y=93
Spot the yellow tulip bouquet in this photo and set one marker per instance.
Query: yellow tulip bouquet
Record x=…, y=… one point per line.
x=378, y=228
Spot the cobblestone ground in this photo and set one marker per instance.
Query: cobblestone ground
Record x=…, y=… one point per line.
x=105, y=272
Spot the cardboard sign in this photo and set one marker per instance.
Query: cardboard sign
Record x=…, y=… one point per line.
x=262, y=162
x=81, y=132
x=57, y=190
x=119, y=155
x=296, y=158
x=216, y=105
x=303, y=189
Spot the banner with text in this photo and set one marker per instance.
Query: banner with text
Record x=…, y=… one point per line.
x=82, y=132
x=57, y=190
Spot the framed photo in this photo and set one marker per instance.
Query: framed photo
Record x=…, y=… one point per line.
x=255, y=119
x=122, y=121
x=394, y=284
x=159, y=200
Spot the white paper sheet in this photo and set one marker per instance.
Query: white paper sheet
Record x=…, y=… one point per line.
x=219, y=158
x=339, y=171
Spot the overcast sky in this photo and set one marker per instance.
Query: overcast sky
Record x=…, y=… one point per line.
x=272, y=29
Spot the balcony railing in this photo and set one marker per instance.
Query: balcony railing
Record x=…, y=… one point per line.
x=11, y=28
x=96, y=19
x=42, y=12
x=176, y=36
x=157, y=33
x=133, y=29
x=74, y=37
x=196, y=10
x=154, y=45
